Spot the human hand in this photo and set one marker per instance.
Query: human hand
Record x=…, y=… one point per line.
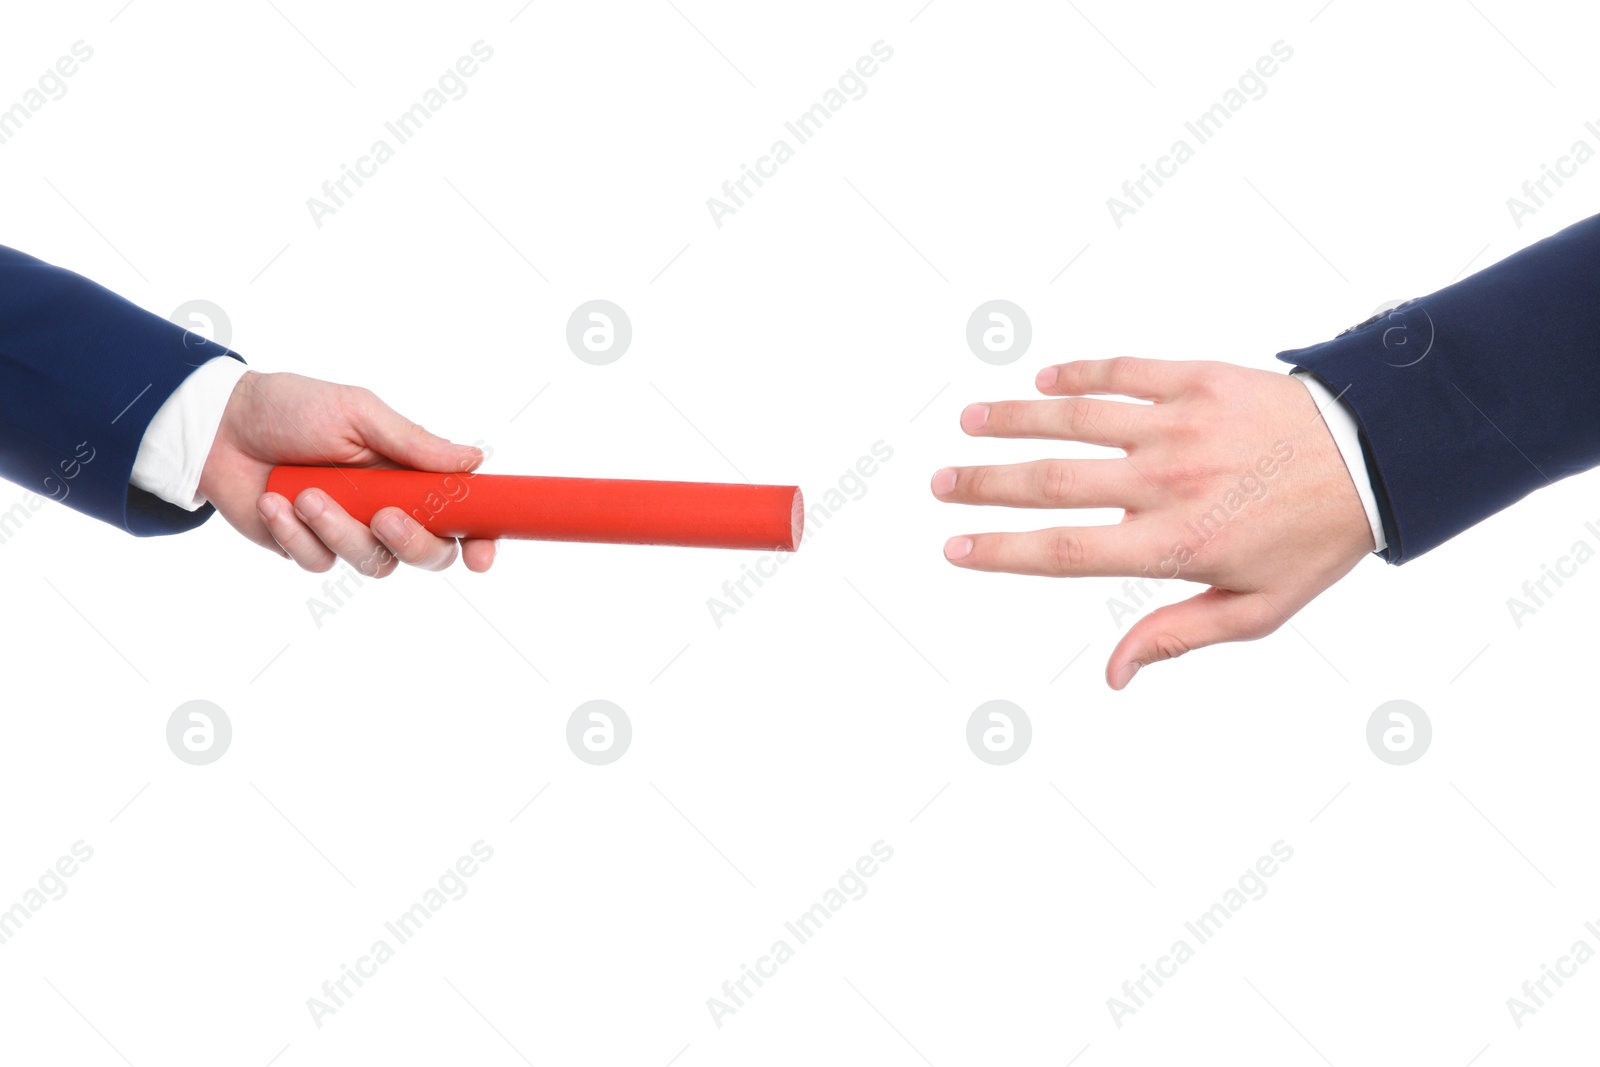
x=1230, y=478
x=272, y=419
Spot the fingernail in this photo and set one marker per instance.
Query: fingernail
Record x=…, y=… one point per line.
x=944, y=480
x=394, y=530
x=973, y=418
x=1126, y=674
x=1047, y=378
x=309, y=506
x=958, y=548
x=269, y=508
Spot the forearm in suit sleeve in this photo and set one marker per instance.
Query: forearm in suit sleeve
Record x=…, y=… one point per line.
x=82, y=373
x=1473, y=397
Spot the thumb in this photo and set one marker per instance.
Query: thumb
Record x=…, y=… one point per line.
x=1209, y=618
x=398, y=438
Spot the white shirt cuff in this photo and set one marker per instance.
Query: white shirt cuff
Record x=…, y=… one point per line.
x=178, y=439
x=1342, y=425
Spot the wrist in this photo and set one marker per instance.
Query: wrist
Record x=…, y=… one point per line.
x=1341, y=426
x=213, y=476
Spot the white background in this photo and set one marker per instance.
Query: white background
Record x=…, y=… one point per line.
x=768, y=754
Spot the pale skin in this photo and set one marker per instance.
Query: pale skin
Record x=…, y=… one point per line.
x=1280, y=539
x=1208, y=428
x=273, y=419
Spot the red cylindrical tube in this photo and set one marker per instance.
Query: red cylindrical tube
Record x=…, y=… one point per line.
x=692, y=514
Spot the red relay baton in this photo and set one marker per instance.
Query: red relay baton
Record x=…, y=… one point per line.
x=612, y=511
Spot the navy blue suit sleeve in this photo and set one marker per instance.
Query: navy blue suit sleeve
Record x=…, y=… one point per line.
x=1473, y=397
x=82, y=373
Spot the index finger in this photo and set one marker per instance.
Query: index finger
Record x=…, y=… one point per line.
x=1144, y=379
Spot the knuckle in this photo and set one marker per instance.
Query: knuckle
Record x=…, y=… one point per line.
x=433, y=553
x=365, y=403
x=1185, y=478
x=1121, y=370
x=1003, y=417
x=1169, y=645
x=319, y=565
x=974, y=482
x=415, y=551
x=1210, y=379
x=1056, y=481
x=1260, y=621
x=1065, y=552
x=405, y=551
x=1079, y=421
x=379, y=563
